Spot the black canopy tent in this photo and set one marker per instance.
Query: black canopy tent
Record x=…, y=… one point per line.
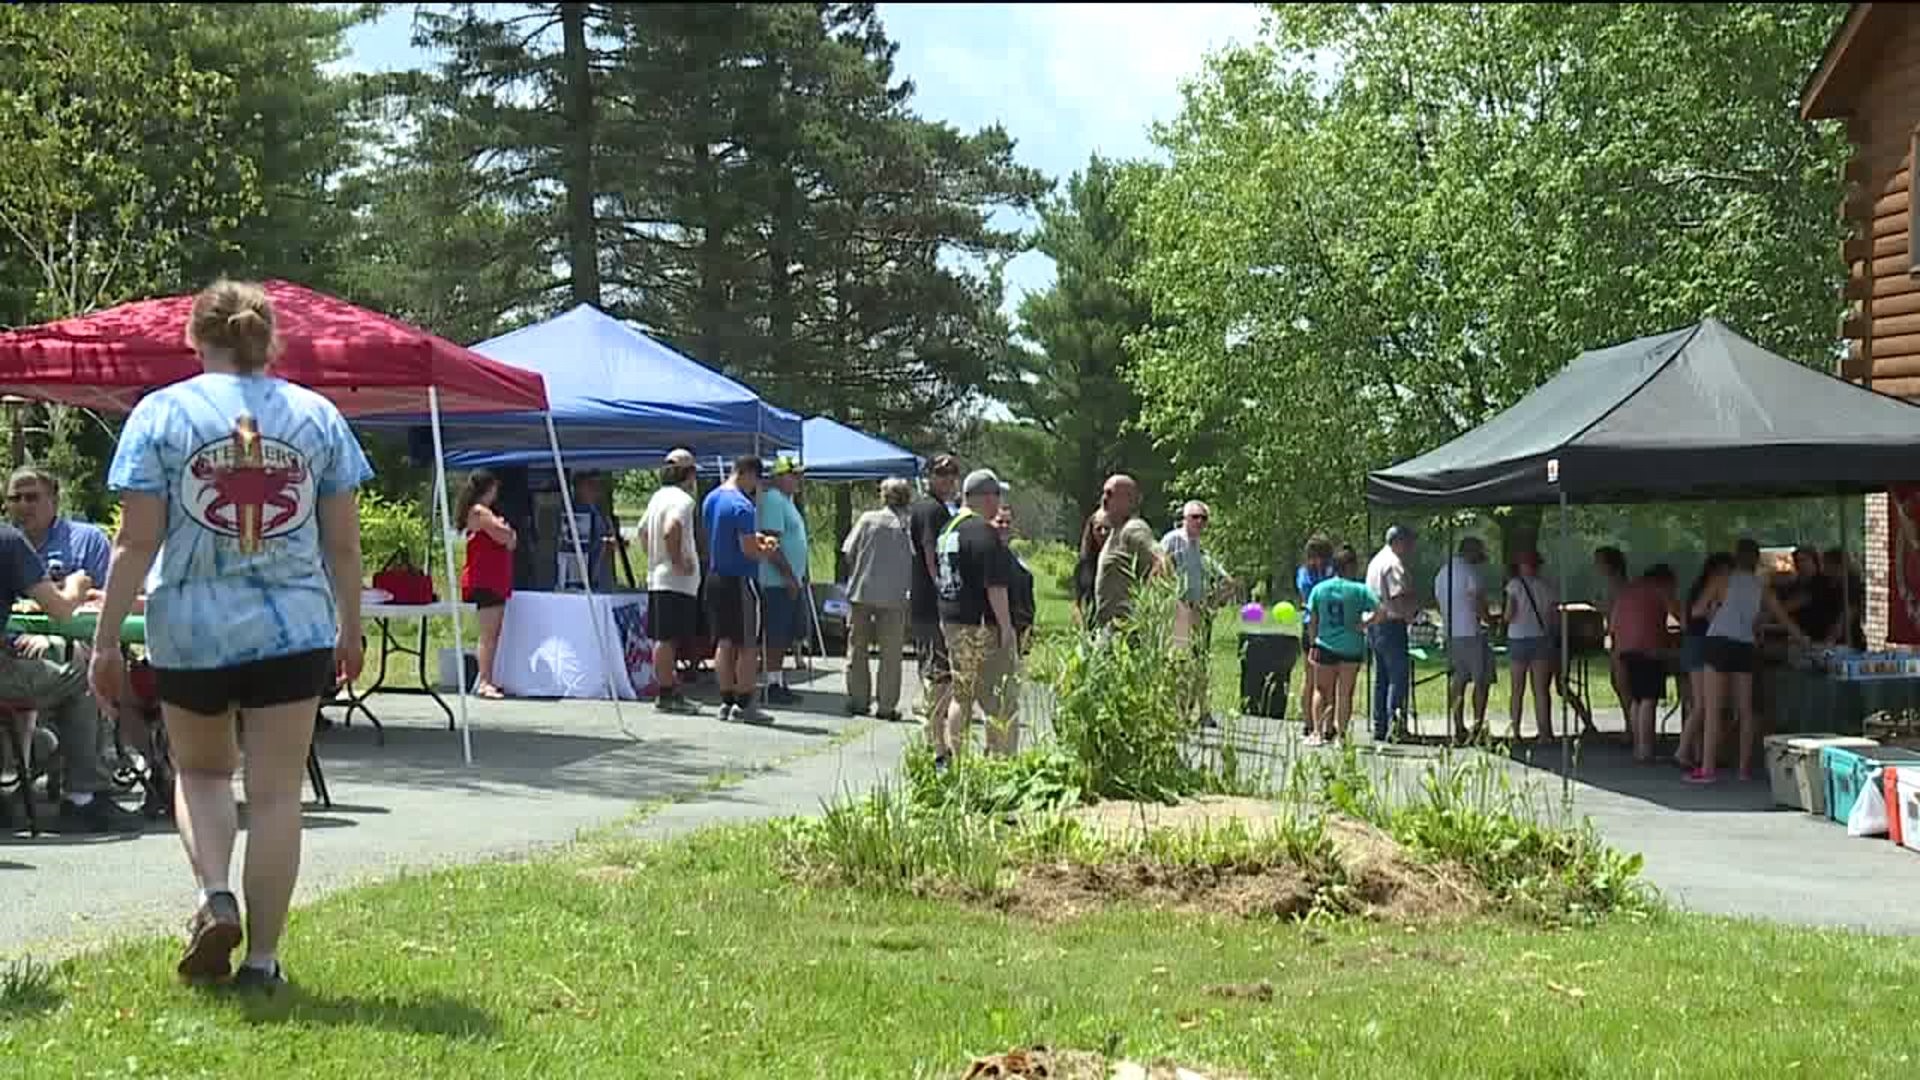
x=1695, y=414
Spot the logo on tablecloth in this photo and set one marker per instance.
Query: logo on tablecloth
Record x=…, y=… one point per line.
x=248, y=487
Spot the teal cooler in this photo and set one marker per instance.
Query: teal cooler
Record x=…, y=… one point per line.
x=1851, y=769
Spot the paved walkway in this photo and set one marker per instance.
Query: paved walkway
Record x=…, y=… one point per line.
x=543, y=772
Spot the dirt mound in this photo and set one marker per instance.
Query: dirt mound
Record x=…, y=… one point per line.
x=1375, y=877
x=1040, y=1063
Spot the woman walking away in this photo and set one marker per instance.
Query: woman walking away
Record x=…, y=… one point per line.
x=1735, y=598
x=1092, y=539
x=243, y=618
x=1693, y=658
x=1340, y=608
x=487, y=580
x=1532, y=642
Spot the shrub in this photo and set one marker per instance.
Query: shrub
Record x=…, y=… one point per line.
x=390, y=527
x=1127, y=704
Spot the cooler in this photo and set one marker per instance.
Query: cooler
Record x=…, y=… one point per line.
x=1266, y=659
x=1849, y=767
x=1903, y=813
x=1793, y=765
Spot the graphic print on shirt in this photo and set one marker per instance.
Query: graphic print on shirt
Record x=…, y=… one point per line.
x=947, y=556
x=1336, y=612
x=248, y=487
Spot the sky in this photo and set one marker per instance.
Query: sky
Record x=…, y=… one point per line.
x=1065, y=80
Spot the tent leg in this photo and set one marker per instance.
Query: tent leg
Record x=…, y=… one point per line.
x=586, y=578
x=1846, y=574
x=453, y=586
x=1566, y=654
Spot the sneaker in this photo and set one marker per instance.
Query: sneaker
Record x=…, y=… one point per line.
x=212, y=935
x=780, y=694
x=1314, y=740
x=941, y=763
x=259, y=980
x=100, y=815
x=750, y=714
x=729, y=713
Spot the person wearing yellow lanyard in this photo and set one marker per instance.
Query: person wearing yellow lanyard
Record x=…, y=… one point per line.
x=975, y=570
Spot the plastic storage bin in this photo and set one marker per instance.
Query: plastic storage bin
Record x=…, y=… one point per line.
x=1794, y=767
x=1903, y=813
x=1848, y=769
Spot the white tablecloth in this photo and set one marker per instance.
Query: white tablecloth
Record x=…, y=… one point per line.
x=555, y=645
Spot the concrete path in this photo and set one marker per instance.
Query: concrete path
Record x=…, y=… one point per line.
x=543, y=773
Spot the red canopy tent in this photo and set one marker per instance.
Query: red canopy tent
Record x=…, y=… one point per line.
x=365, y=362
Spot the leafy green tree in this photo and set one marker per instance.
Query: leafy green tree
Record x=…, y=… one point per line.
x=1348, y=274
x=1073, y=392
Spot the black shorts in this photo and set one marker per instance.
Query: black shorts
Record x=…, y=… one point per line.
x=484, y=598
x=733, y=608
x=1646, y=676
x=672, y=617
x=1326, y=657
x=261, y=684
x=930, y=653
x=1727, y=656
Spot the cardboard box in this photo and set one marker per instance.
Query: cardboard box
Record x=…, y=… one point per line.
x=1795, y=770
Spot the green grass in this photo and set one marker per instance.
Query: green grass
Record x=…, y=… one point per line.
x=698, y=960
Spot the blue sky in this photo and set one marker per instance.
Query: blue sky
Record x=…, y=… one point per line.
x=1065, y=80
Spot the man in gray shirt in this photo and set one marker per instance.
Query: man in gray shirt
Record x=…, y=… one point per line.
x=879, y=554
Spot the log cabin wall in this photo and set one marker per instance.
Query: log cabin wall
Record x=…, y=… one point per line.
x=1870, y=79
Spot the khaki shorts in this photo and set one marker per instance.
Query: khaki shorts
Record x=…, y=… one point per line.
x=1470, y=659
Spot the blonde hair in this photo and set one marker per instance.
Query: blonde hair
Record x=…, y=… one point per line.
x=236, y=319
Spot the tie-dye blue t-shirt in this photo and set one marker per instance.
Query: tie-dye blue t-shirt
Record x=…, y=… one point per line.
x=242, y=462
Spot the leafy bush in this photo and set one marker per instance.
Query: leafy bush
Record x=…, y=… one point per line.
x=390, y=527
x=1038, y=780
x=1127, y=704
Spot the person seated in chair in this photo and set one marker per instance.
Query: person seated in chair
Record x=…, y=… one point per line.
x=58, y=692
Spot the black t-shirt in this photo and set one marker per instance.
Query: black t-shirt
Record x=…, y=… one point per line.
x=1820, y=615
x=924, y=523
x=20, y=566
x=972, y=560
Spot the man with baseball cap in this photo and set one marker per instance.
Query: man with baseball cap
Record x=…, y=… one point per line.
x=1392, y=657
x=667, y=536
x=976, y=616
x=783, y=576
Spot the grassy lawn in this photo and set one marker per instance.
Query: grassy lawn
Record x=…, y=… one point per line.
x=698, y=960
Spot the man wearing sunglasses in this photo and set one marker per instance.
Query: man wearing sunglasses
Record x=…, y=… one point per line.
x=33, y=505
x=1196, y=572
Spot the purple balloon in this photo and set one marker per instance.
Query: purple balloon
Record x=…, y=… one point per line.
x=1253, y=613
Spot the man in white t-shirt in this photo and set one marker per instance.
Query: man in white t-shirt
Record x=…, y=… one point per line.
x=1392, y=657
x=668, y=535
x=1463, y=604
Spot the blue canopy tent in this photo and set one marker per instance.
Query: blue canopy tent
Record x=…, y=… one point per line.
x=619, y=398
x=834, y=451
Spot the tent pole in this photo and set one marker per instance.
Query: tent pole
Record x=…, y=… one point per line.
x=1846, y=574
x=586, y=575
x=1566, y=654
x=453, y=585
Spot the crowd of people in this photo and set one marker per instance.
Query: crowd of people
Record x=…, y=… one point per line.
x=1710, y=639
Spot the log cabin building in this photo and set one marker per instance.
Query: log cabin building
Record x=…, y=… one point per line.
x=1870, y=80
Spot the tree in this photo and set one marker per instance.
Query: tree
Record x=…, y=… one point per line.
x=1073, y=392
x=1351, y=274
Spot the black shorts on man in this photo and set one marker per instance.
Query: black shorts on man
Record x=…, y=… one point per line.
x=673, y=617
x=733, y=609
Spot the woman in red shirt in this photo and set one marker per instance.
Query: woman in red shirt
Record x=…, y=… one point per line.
x=1639, y=623
x=487, y=579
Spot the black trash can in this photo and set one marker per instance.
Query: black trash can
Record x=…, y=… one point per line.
x=1266, y=662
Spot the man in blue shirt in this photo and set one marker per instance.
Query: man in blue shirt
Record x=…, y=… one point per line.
x=783, y=575
x=735, y=550
x=33, y=503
